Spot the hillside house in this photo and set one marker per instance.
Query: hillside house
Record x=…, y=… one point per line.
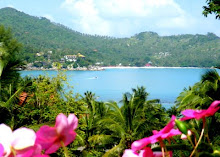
x=70, y=58
x=80, y=55
x=149, y=64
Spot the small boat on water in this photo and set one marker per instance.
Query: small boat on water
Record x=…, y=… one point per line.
x=93, y=77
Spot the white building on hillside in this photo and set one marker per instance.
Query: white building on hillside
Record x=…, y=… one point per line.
x=70, y=58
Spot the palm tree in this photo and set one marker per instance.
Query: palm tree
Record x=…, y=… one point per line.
x=140, y=92
x=89, y=122
x=89, y=98
x=211, y=88
x=9, y=48
x=127, y=123
x=173, y=111
x=9, y=107
x=202, y=94
x=9, y=77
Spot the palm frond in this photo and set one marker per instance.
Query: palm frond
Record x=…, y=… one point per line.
x=113, y=125
x=210, y=75
x=141, y=126
x=153, y=101
x=115, y=151
x=117, y=110
x=101, y=139
x=12, y=98
x=80, y=139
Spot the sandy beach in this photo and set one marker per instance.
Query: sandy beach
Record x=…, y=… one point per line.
x=152, y=67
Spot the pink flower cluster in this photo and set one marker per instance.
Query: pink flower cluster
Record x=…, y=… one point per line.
x=200, y=114
x=24, y=142
x=141, y=147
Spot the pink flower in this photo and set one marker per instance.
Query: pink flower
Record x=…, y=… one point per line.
x=138, y=145
x=21, y=140
x=166, y=132
x=35, y=151
x=160, y=154
x=130, y=153
x=198, y=114
x=147, y=152
x=1, y=150
x=51, y=138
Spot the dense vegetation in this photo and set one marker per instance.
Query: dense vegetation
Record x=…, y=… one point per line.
x=38, y=34
x=213, y=6
x=104, y=129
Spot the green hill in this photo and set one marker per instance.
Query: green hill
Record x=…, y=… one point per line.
x=38, y=34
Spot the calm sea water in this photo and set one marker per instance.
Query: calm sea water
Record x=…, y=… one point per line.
x=164, y=84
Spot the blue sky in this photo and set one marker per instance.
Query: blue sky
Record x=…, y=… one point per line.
x=122, y=18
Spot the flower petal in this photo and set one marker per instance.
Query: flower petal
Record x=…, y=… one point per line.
x=46, y=136
x=214, y=107
x=25, y=152
x=1, y=150
x=189, y=114
x=155, y=132
x=147, y=152
x=35, y=151
x=173, y=132
x=61, y=123
x=138, y=145
x=169, y=126
x=160, y=154
x=23, y=138
x=41, y=155
x=72, y=121
x=53, y=148
x=130, y=153
x=215, y=104
x=69, y=137
x=198, y=114
x=6, y=138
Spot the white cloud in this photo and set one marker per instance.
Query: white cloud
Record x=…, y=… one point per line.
x=125, y=17
x=50, y=17
x=181, y=22
x=10, y=6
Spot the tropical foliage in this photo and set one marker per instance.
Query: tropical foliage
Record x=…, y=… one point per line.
x=115, y=128
x=196, y=143
x=202, y=93
x=213, y=6
x=9, y=49
x=200, y=96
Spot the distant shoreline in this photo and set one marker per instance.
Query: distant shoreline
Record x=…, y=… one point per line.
x=152, y=67
x=118, y=67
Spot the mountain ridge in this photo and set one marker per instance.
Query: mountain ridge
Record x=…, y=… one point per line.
x=40, y=34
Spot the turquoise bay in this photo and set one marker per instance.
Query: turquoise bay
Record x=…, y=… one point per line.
x=161, y=83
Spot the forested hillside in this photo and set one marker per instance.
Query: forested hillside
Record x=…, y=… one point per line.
x=39, y=35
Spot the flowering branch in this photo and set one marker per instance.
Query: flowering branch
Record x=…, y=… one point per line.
x=202, y=132
x=24, y=142
x=169, y=131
